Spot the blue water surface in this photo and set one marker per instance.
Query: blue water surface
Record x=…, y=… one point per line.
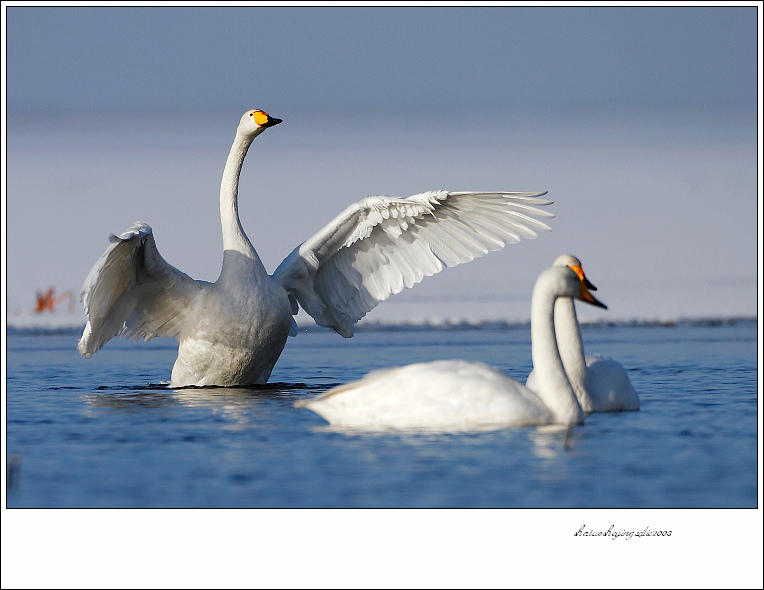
x=109, y=432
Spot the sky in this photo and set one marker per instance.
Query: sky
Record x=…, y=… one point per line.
x=331, y=57
x=641, y=122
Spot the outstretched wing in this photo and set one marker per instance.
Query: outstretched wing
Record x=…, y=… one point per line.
x=380, y=245
x=132, y=291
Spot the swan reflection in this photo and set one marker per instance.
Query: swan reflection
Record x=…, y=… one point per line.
x=239, y=407
x=550, y=441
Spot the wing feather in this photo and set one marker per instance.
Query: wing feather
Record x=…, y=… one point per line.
x=131, y=290
x=380, y=245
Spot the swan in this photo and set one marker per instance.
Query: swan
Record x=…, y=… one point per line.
x=232, y=332
x=462, y=394
x=601, y=383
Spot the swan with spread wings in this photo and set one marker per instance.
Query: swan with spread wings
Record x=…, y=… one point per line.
x=232, y=332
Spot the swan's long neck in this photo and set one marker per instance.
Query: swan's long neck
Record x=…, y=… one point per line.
x=571, y=348
x=554, y=389
x=234, y=238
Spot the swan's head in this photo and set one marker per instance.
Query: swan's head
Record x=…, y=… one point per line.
x=570, y=280
x=574, y=264
x=567, y=260
x=254, y=122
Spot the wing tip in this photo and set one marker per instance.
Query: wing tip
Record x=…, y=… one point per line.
x=83, y=344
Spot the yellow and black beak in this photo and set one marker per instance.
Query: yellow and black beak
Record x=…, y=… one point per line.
x=264, y=120
x=584, y=295
x=271, y=122
x=586, y=286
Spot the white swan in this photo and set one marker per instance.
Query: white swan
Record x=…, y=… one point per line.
x=232, y=332
x=601, y=383
x=461, y=394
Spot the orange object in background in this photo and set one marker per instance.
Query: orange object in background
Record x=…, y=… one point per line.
x=47, y=301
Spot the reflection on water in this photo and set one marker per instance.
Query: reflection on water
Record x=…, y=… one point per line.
x=238, y=406
x=409, y=430
x=149, y=396
x=157, y=393
x=550, y=441
x=547, y=442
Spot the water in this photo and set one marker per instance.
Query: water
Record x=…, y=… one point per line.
x=109, y=432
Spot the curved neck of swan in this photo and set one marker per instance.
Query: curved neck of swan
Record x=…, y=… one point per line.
x=234, y=237
x=571, y=348
x=554, y=389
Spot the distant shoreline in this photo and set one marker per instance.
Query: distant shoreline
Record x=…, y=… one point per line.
x=450, y=325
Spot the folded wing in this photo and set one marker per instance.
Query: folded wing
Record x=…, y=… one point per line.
x=131, y=290
x=381, y=245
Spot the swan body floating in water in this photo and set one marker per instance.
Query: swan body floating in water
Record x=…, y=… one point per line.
x=601, y=383
x=231, y=332
x=457, y=394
